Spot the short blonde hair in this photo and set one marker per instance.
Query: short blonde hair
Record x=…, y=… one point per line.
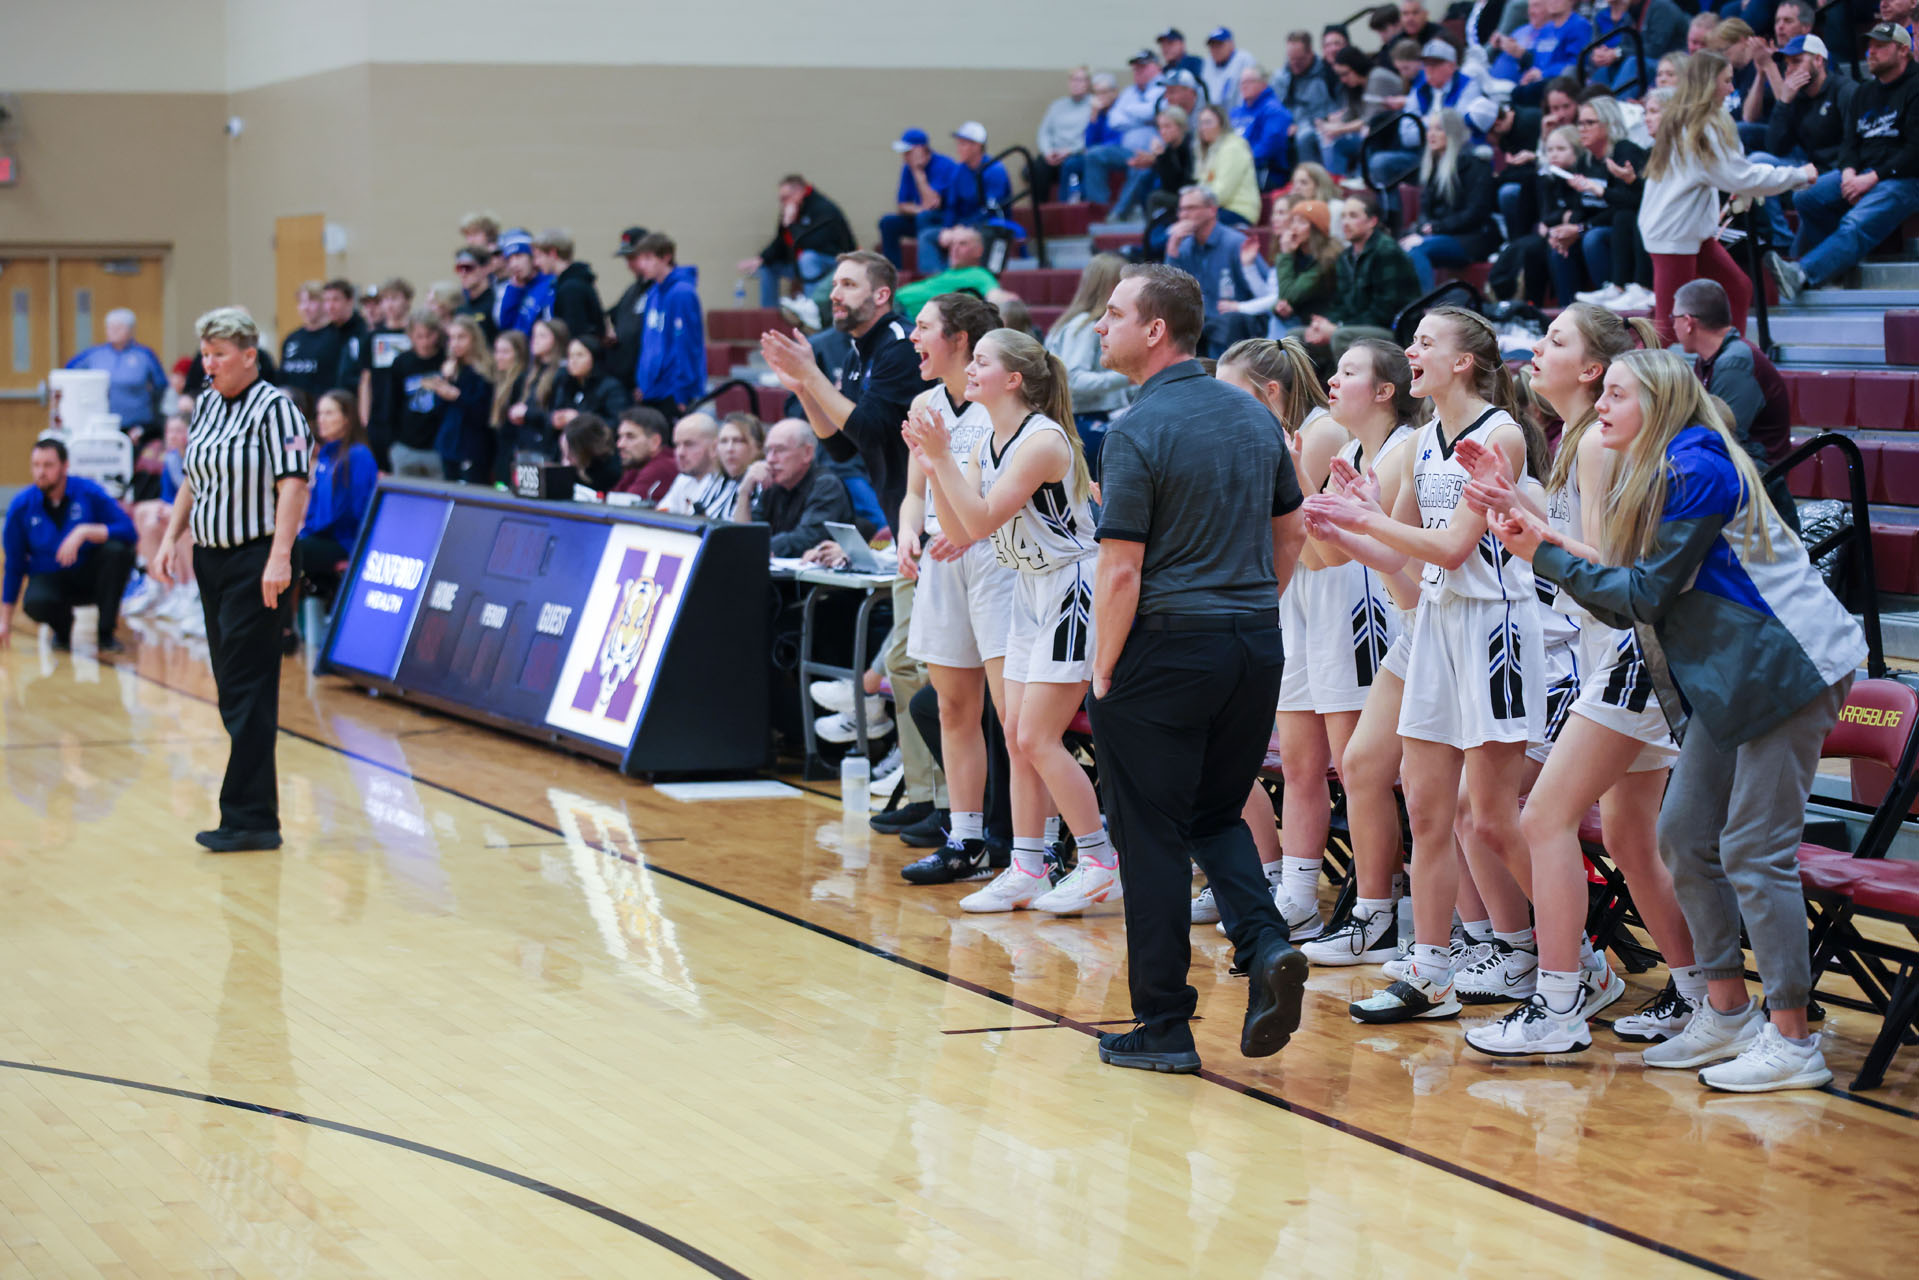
x=555, y=240
x=228, y=324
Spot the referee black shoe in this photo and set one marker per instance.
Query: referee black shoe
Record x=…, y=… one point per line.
x=1170, y=1050
x=1278, y=975
x=951, y=864
x=928, y=833
x=232, y=840
x=897, y=820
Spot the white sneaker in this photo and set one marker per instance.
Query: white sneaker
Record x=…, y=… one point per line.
x=1601, y=297
x=883, y=783
x=181, y=603
x=143, y=594
x=1463, y=950
x=1635, y=297
x=1602, y=986
x=1663, y=1019
x=802, y=311
x=1770, y=1062
x=1205, y=910
x=1502, y=973
x=837, y=695
x=1083, y=886
x=1010, y=890
x=194, y=625
x=1408, y=998
x=1530, y=1030
x=1710, y=1036
x=1302, y=919
x=839, y=727
x=1361, y=940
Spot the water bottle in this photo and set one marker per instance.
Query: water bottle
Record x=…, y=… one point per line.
x=856, y=775
x=739, y=292
x=1072, y=192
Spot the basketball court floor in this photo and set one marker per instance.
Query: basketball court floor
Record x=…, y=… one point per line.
x=495, y=1011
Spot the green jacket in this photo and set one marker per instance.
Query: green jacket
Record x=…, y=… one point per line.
x=912, y=297
x=1383, y=282
x=1308, y=287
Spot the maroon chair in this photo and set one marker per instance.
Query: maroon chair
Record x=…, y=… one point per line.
x=1824, y=398
x=1895, y=553
x=1882, y=399
x=1898, y=473
x=1902, y=337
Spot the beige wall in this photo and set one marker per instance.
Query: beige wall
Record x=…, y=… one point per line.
x=119, y=46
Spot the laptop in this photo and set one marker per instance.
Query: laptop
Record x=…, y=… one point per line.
x=859, y=556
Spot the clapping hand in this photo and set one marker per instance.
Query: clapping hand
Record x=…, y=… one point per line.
x=1339, y=510
x=944, y=549
x=1521, y=532
x=790, y=356
x=926, y=436
x=1623, y=172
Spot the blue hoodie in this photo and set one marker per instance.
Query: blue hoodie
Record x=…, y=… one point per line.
x=32, y=540
x=335, y=510
x=520, y=305
x=673, y=341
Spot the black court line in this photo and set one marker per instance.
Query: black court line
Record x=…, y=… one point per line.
x=626, y=1222
x=974, y=1031
x=1379, y=1140
x=1864, y=1101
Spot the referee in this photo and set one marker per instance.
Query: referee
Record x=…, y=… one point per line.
x=1199, y=533
x=245, y=494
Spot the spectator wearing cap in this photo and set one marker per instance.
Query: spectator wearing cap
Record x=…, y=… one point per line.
x=1062, y=131
x=1266, y=125
x=628, y=316
x=1809, y=122
x=1846, y=213
x=1226, y=63
x=1208, y=251
x=975, y=187
x=1304, y=84
x=473, y=268
x=1134, y=117
x=1173, y=55
x=527, y=294
x=576, y=295
x=1438, y=87
x=1791, y=19
x=671, y=373
x=1456, y=197
x=812, y=234
x=924, y=174
x=1662, y=28
x=1180, y=88
x=1555, y=50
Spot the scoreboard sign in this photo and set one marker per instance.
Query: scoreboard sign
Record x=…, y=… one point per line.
x=559, y=620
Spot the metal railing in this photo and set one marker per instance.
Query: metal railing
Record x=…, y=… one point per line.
x=713, y=397
x=1756, y=268
x=1859, y=531
x=1638, y=56
x=1032, y=197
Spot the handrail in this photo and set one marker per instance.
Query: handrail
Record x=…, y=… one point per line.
x=1861, y=530
x=1418, y=307
x=713, y=396
x=1033, y=195
x=1638, y=55
x=1756, y=267
x=1379, y=131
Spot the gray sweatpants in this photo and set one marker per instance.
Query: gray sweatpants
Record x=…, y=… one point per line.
x=1729, y=831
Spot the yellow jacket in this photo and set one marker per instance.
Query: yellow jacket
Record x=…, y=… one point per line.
x=1227, y=171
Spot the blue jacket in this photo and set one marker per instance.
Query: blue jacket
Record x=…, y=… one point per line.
x=1556, y=48
x=960, y=197
x=939, y=170
x=1740, y=644
x=1267, y=126
x=31, y=539
x=335, y=510
x=521, y=304
x=673, y=346
x=134, y=380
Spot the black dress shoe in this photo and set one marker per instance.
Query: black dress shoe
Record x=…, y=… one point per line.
x=112, y=646
x=231, y=840
x=950, y=864
x=1143, y=1049
x=899, y=819
x=1278, y=981
x=929, y=832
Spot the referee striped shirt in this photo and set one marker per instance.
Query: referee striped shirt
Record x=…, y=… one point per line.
x=237, y=452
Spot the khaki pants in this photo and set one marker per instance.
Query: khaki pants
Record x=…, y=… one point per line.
x=924, y=781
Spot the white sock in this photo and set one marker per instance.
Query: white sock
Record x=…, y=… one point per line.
x=1588, y=958
x=1434, y=964
x=1299, y=881
x=1029, y=855
x=1399, y=885
x=1369, y=908
x=1275, y=872
x=1481, y=930
x=1096, y=849
x=1521, y=941
x=965, y=826
x=1052, y=829
x=1691, y=982
x=1561, y=991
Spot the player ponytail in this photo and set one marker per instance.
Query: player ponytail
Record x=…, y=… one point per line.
x=1045, y=389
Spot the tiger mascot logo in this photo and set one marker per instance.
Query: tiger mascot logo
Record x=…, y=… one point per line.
x=626, y=638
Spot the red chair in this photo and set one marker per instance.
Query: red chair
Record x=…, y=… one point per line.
x=1897, y=473
x=1824, y=398
x=1882, y=399
x=1895, y=555
x=1902, y=337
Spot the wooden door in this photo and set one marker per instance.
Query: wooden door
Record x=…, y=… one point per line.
x=26, y=354
x=90, y=287
x=299, y=255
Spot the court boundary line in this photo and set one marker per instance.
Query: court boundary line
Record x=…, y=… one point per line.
x=625, y=1221
x=1255, y=1092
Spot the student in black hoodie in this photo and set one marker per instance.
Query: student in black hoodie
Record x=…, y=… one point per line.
x=576, y=296
x=1456, y=199
x=1846, y=213
x=810, y=238
x=628, y=316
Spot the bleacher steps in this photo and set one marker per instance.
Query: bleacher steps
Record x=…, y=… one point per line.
x=1889, y=275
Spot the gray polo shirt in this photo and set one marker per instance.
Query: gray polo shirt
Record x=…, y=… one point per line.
x=1197, y=470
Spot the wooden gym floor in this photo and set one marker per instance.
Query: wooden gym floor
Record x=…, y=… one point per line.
x=499, y=1012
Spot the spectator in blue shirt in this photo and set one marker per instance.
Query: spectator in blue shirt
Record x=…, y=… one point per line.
x=924, y=175
x=1555, y=50
x=70, y=544
x=527, y=295
x=135, y=378
x=1173, y=55
x=1203, y=248
x=1266, y=125
x=340, y=491
x=1134, y=115
x=672, y=372
x=1662, y=28
x=974, y=185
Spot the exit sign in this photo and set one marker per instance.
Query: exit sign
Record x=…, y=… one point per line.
x=6, y=171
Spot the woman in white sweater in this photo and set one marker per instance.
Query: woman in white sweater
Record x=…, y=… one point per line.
x=1695, y=157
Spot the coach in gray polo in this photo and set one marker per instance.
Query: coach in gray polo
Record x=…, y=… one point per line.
x=1199, y=533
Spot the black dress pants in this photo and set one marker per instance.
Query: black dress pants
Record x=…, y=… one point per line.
x=99, y=578
x=243, y=639
x=1180, y=736
x=925, y=709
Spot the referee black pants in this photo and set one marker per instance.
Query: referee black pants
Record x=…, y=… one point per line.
x=1180, y=737
x=243, y=639
x=100, y=579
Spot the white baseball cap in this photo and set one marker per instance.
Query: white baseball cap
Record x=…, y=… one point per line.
x=972, y=131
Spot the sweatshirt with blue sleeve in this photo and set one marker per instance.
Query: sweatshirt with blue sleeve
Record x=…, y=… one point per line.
x=135, y=380
x=673, y=348
x=1740, y=642
x=939, y=170
x=32, y=535
x=337, y=503
x=968, y=191
x=1556, y=47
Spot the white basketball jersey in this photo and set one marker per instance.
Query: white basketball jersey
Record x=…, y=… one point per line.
x=966, y=424
x=1492, y=572
x=1050, y=530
